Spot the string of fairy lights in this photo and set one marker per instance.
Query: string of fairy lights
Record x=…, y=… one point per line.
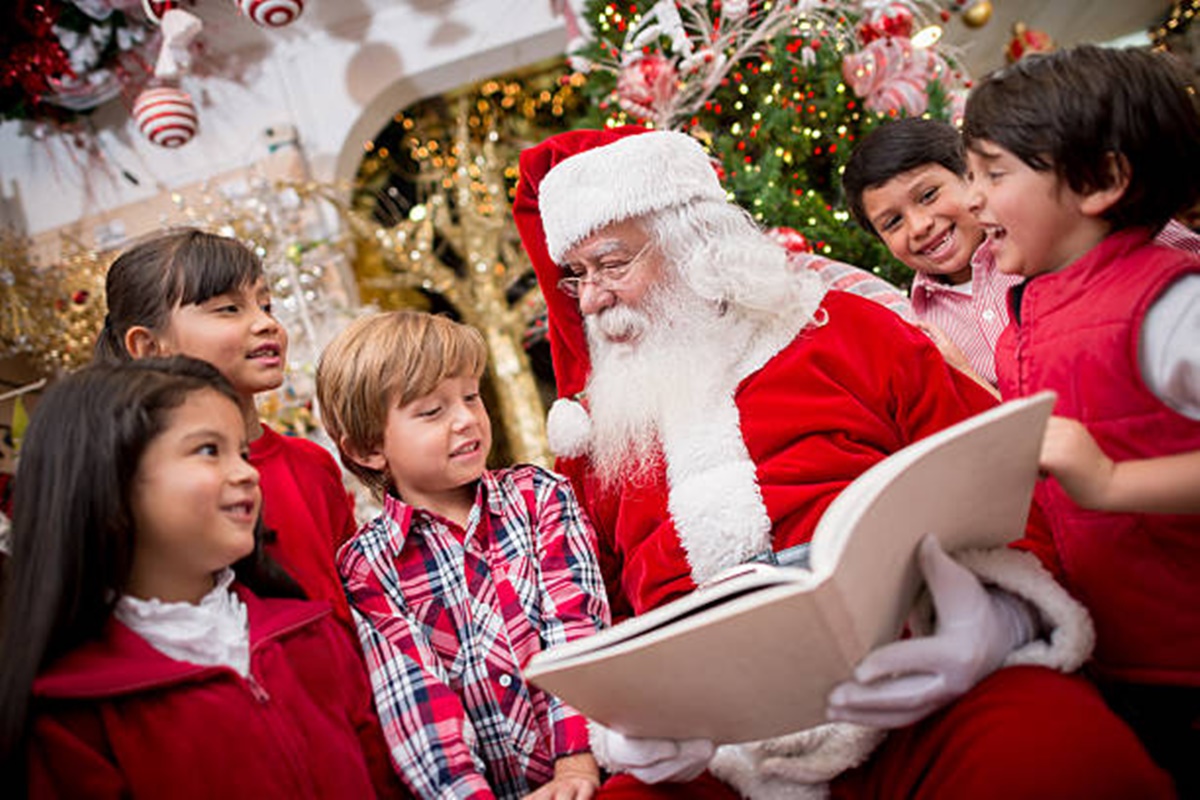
x=1177, y=21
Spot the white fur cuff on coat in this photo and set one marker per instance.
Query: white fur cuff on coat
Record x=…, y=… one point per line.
x=1071, y=636
x=797, y=766
x=568, y=428
x=599, y=744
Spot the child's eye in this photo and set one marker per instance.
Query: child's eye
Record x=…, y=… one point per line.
x=228, y=308
x=429, y=412
x=472, y=397
x=928, y=195
x=890, y=223
x=208, y=449
x=266, y=307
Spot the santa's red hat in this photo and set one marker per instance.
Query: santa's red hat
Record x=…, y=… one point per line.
x=572, y=185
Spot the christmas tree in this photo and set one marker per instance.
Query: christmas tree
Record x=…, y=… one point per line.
x=779, y=92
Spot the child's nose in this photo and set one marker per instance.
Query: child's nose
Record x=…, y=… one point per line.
x=463, y=416
x=975, y=198
x=922, y=220
x=244, y=472
x=264, y=320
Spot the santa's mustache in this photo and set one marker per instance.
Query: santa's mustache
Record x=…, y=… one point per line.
x=618, y=323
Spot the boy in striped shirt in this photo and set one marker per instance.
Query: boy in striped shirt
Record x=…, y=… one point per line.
x=906, y=182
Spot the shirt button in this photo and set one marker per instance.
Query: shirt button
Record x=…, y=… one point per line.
x=988, y=314
x=505, y=681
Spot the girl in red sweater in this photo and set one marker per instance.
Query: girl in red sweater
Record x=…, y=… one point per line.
x=142, y=657
x=188, y=292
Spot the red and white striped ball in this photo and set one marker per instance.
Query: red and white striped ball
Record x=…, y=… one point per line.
x=271, y=13
x=156, y=8
x=166, y=116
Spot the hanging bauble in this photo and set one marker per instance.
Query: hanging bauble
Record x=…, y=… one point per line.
x=166, y=116
x=892, y=19
x=1025, y=41
x=156, y=8
x=271, y=13
x=977, y=14
x=645, y=87
x=792, y=240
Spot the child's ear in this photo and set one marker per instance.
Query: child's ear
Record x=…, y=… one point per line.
x=374, y=459
x=141, y=342
x=1097, y=202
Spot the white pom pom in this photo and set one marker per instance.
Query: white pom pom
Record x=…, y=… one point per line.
x=568, y=428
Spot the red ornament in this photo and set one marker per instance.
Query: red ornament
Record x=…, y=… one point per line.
x=156, y=8
x=791, y=239
x=271, y=13
x=647, y=85
x=33, y=65
x=894, y=19
x=1025, y=41
x=80, y=297
x=166, y=116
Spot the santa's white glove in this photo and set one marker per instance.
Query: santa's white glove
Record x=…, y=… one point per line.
x=651, y=760
x=900, y=683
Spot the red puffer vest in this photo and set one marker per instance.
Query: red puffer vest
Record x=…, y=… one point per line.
x=1077, y=333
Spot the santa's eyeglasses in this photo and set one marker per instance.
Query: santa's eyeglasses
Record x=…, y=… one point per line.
x=603, y=276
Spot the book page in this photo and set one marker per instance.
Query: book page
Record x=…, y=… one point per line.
x=970, y=485
x=756, y=654
x=735, y=582
x=718, y=676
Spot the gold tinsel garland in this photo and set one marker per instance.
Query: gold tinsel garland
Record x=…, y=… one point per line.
x=50, y=313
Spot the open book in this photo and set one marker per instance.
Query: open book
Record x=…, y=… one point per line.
x=755, y=652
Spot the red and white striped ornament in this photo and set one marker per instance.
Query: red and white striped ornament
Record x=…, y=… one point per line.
x=271, y=13
x=166, y=116
x=156, y=8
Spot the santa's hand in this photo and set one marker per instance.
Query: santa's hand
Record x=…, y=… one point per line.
x=651, y=760
x=902, y=682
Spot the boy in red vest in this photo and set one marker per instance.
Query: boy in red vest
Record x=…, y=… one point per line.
x=1079, y=158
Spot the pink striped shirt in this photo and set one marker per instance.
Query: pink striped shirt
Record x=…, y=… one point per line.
x=973, y=314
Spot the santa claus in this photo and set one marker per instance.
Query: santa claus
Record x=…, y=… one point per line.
x=713, y=401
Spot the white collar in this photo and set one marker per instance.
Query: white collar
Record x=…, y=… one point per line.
x=213, y=632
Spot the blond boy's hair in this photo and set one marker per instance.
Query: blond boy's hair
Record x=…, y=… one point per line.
x=383, y=361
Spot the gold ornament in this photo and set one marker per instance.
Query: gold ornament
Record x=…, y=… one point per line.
x=50, y=313
x=977, y=14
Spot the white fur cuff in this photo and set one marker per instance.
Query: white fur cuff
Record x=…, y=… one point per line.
x=797, y=766
x=1071, y=636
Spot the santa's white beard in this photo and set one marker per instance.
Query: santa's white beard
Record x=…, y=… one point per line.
x=673, y=365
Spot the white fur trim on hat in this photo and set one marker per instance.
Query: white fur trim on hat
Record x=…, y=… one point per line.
x=568, y=428
x=627, y=178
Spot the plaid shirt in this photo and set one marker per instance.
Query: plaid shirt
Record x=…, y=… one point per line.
x=448, y=616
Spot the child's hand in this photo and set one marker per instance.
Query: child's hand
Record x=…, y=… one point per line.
x=950, y=351
x=954, y=355
x=576, y=777
x=1071, y=455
